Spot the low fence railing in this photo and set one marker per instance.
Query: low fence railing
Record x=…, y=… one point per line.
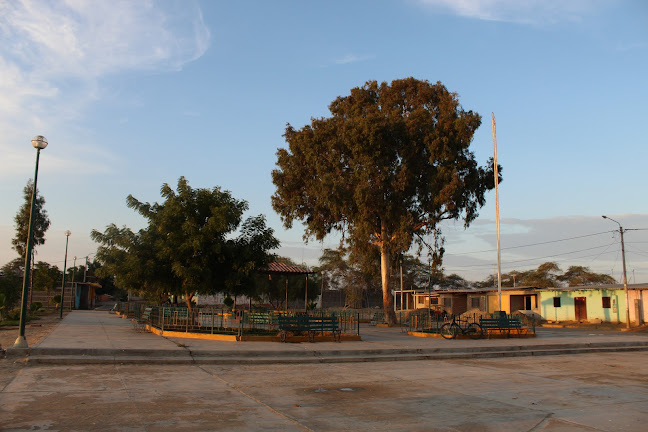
x=210, y=320
x=431, y=322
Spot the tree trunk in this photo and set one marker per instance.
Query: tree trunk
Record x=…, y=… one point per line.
x=188, y=298
x=388, y=300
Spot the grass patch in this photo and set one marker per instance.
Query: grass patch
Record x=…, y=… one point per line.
x=9, y=323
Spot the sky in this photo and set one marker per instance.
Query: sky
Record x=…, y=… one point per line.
x=135, y=94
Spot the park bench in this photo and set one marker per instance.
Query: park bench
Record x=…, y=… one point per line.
x=503, y=324
x=140, y=322
x=310, y=325
x=258, y=317
x=378, y=318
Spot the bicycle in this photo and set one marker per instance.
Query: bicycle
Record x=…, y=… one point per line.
x=452, y=329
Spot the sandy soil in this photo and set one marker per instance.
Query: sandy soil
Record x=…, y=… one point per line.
x=35, y=330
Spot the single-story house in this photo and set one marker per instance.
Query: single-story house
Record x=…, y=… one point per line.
x=606, y=303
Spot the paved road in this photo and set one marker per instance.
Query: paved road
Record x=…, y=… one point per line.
x=588, y=392
x=585, y=392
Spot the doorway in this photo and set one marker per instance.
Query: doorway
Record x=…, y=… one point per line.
x=580, y=305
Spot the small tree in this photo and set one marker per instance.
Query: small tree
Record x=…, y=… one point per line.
x=47, y=277
x=40, y=225
x=10, y=283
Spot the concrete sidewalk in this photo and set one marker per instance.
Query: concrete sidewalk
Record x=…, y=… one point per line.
x=98, y=337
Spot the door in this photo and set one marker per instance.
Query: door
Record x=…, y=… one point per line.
x=83, y=304
x=580, y=306
x=529, y=302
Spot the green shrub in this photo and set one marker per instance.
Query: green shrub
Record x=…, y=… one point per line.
x=56, y=299
x=13, y=315
x=35, y=306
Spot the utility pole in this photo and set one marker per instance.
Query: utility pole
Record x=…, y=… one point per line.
x=625, y=275
x=85, y=270
x=497, y=218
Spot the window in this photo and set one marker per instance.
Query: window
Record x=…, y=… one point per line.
x=447, y=302
x=474, y=302
x=556, y=301
x=606, y=302
x=434, y=300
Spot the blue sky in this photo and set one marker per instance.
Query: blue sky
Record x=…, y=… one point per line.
x=132, y=95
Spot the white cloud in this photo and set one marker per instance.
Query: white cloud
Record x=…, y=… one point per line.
x=519, y=11
x=53, y=55
x=352, y=58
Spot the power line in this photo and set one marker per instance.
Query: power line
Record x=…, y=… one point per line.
x=78, y=258
x=541, y=258
x=532, y=244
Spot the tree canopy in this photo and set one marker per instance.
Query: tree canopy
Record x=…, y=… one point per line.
x=549, y=275
x=189, y=245
x=47, y=277
x=392, y=161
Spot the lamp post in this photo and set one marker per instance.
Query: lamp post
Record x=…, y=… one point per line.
x=39, y=142
x=625, y=276
x=67, y=239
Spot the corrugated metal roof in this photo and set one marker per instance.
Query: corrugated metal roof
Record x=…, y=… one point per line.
x=277, y=267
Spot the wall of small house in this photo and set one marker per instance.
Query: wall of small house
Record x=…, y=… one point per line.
x=638, y=306
x=493, y=302
x=478, y=301
x=593, y=302
x=459, y=304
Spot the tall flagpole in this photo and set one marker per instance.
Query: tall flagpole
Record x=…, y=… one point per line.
x=497, y=218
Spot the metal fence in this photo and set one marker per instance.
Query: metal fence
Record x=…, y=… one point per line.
x=427, y=321
x=209, y=320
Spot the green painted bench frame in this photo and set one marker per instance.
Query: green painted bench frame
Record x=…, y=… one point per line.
x=309, y=324
x=503, y=324
x=141, y=322
x=258, y=317
x=378, y=318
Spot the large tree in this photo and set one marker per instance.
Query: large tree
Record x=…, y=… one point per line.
x=392, y=161
x=579, y=275
x=189, y=245
x=549, y=275
x=40, y=224
x=351, y=273
x=130, y=259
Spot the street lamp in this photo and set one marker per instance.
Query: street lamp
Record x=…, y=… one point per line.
x=39, y=142
x=625, y=276
x=67, y=239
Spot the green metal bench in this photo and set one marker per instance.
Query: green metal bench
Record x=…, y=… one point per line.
x=310, y=325
x=141, y=322
x=503, y=324
x=258, y=317
x=378, y=318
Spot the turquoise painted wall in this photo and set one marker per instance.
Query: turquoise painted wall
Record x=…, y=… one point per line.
x=593, y=301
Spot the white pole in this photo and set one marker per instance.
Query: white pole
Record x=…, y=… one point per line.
x=497, y=218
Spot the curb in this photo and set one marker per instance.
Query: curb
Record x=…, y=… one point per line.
x=79, y=356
